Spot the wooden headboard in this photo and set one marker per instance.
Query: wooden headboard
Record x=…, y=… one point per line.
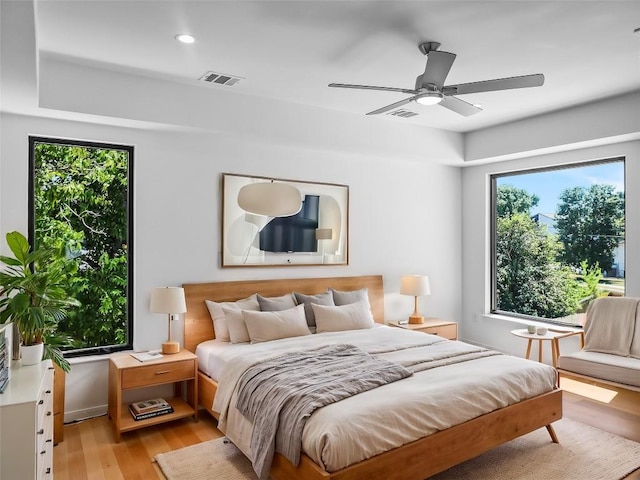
x=198, y=325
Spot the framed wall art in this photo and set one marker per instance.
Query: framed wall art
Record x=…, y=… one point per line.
x=278, y=222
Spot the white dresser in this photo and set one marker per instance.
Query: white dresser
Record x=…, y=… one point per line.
x=26, y=423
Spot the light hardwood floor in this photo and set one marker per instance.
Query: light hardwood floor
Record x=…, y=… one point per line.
x=89, y=452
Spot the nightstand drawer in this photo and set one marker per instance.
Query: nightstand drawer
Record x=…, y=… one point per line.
x=449, y=332
x=158, y=374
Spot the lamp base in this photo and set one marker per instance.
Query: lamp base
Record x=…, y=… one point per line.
x=169, y=348
x=416, y=319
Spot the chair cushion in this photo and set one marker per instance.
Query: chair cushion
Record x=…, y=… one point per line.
x=610, y=325
x=605, y=366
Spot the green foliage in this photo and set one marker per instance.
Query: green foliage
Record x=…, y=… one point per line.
x=590, y=288
x=512, y=200
x=590, y=223
x=35, y=300
x=529, y=279
x=80, y=199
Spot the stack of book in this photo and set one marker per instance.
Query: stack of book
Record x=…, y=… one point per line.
x=149, y=408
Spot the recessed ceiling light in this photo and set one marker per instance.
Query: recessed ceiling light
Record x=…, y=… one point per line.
x=185, y=38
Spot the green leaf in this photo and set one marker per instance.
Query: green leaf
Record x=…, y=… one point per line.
x=18, y=245
x=10, y=261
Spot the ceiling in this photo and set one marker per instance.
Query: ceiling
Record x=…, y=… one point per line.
x=291, y=50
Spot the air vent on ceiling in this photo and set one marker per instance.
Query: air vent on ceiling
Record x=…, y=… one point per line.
x=403, y=113
x=220, y=78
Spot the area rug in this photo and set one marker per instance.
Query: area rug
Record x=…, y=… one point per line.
x=584, y=452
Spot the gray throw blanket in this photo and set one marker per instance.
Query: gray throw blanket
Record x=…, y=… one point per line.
x=280, y=394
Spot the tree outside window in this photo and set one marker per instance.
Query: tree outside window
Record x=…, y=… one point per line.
x=81, y=203
x=558, y=239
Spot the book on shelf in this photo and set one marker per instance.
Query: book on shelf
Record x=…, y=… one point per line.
x=154, y=413
x=153, y=405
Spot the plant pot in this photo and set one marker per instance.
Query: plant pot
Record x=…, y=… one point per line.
x=31, y=354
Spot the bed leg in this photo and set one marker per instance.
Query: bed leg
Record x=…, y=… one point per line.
x=552, y=433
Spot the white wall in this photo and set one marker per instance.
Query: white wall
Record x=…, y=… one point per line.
x=404, y=217
x=493, y=331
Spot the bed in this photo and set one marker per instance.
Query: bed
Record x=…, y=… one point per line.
x=420, y=458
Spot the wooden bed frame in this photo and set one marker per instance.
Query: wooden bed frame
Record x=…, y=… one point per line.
x=417, y=460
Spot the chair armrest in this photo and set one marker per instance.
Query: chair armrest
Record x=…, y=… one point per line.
x=557, y=338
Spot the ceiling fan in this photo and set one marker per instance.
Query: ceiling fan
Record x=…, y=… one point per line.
x=430, y=88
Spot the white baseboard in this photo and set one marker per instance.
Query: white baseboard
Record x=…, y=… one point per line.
x=85, y=413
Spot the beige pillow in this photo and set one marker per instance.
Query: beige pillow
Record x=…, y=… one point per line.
x=354, y=316
x=273, y=304
x=218, y=317
x=238, y=332
x=266, y=326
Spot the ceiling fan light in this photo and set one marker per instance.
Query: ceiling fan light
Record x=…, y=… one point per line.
x=430, y=98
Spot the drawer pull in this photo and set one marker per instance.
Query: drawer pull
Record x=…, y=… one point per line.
x=48, y=440
x=48, y=414
x=48, y=470
x=48, y=391
x=40, y=432
x=40, y=402
x=43, y=452
x=162, y=372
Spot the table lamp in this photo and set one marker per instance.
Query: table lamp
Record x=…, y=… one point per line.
x=416, y=285
x=169, y=300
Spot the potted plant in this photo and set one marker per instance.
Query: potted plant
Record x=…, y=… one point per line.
x=35, y=299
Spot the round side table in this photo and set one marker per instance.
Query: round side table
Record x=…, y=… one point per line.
x=523, y=333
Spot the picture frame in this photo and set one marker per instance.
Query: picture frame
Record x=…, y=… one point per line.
x=318, y=234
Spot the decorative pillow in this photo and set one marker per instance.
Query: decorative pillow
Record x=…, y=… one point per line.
x=274, y=304
x=266, y=326
x=354, y=316
x=347, y=298
x=238, y=332
x=325, y=298
x=218, y=317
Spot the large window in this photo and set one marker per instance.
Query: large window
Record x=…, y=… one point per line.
x=557, y=239
x=81, y=202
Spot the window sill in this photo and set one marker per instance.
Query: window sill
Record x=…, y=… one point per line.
x=93, y=358
x=526, y=322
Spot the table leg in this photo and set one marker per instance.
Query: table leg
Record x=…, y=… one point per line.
x=554, y=354
x=528, y=349
x=540, y=351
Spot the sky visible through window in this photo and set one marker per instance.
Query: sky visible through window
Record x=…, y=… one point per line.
x=548, y=185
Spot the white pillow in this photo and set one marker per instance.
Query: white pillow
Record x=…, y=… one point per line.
x=354, y=316
x=266, y=326
x=238, y=332
x=217, y=314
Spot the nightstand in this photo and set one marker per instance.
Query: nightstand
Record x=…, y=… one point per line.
x=127, y=373
x=434, y=326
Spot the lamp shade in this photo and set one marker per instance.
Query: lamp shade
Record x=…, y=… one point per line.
x=415, y=285
x=324, y=233
x=168, y=300
x=271, y=199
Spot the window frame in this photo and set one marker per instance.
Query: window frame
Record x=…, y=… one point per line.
x=33, y=140
x=493, y=191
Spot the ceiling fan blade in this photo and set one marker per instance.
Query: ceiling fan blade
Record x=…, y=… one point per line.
x=369, y=87
x=392, y=106
x=437, y=69
x=524, y=81
x=459, y=106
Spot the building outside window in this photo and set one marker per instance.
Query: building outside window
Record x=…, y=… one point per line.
x=557, y=239
x=81, y=203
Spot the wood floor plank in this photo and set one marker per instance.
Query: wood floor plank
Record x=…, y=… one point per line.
x=132, y=458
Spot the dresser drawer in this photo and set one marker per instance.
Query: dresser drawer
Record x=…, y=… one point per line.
x=158, y=374
x=449, y=332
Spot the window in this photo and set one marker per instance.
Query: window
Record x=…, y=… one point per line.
x=557, y=239
x=81, y=202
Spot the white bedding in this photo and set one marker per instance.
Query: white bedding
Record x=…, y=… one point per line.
x=372, y=422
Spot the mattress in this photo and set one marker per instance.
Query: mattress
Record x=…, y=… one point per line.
x=372, y=422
